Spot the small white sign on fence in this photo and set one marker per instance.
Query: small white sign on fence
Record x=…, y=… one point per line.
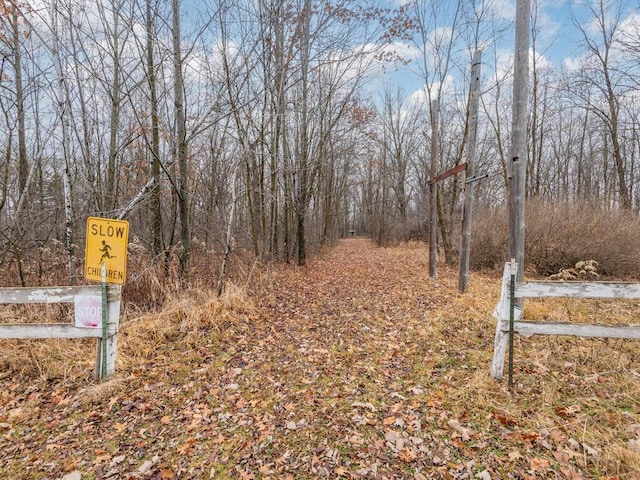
x=88, y=311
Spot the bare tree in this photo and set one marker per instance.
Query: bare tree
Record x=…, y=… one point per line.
x=181, y=145
x=154, y=147
x=600, y=75
x=111, y=21
x=400, y=137
x=23, y=164
x=436, y=45
x=63, y=112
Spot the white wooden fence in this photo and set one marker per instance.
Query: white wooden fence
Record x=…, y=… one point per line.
x=551, y=289
x=66, y=330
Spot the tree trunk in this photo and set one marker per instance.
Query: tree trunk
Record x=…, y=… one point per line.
x=114, y=119
x=228, y=243
x=5, y=173
x=181, y=141
x=63, y=106
x=23, y=164
x=303, y=149
x=614, y=108
x=433, y=193
x=157, y=243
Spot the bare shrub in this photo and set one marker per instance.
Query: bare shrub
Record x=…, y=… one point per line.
x=489, y=238
x=560, y=235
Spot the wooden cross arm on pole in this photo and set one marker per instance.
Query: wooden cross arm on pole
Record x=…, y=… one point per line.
x=452, y=171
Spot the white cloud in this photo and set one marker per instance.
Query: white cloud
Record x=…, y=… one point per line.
x=440, y=35
x=547, y=26
x=542, y=62
x=420, y=98
x=504, y=63
x=629, y=29
x=572, y=64
x=630, y=26
x=219, y=49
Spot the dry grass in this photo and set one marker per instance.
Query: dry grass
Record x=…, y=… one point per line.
x=560, y=235
x=357, y=366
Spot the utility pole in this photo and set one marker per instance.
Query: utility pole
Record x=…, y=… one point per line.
x=469, y=187
x=517, y=164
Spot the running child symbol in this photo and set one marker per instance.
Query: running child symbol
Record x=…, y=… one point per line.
x=106, y=251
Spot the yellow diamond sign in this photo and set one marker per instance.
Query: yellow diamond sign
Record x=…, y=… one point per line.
x=106, y=243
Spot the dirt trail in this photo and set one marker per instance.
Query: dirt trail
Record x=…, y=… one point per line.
x=350, y=310
x=349, y=352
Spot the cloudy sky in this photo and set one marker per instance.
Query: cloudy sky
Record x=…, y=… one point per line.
x=558, y=40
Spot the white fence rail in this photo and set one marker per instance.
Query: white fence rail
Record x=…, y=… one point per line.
x=554, y=289
x=48, y=295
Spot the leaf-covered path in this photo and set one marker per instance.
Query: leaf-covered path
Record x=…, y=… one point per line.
x=357, y=365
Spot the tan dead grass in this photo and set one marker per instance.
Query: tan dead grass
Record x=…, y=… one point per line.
x=179, y=327
x=184, y=324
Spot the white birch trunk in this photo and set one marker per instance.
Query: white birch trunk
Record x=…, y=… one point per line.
x=62, y=99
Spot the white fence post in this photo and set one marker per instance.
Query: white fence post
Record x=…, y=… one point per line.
x=501, y=314
x=113, y=316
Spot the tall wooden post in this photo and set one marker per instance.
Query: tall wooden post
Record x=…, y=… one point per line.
x=433, y=192
x=518, y=153
x=465, y=241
